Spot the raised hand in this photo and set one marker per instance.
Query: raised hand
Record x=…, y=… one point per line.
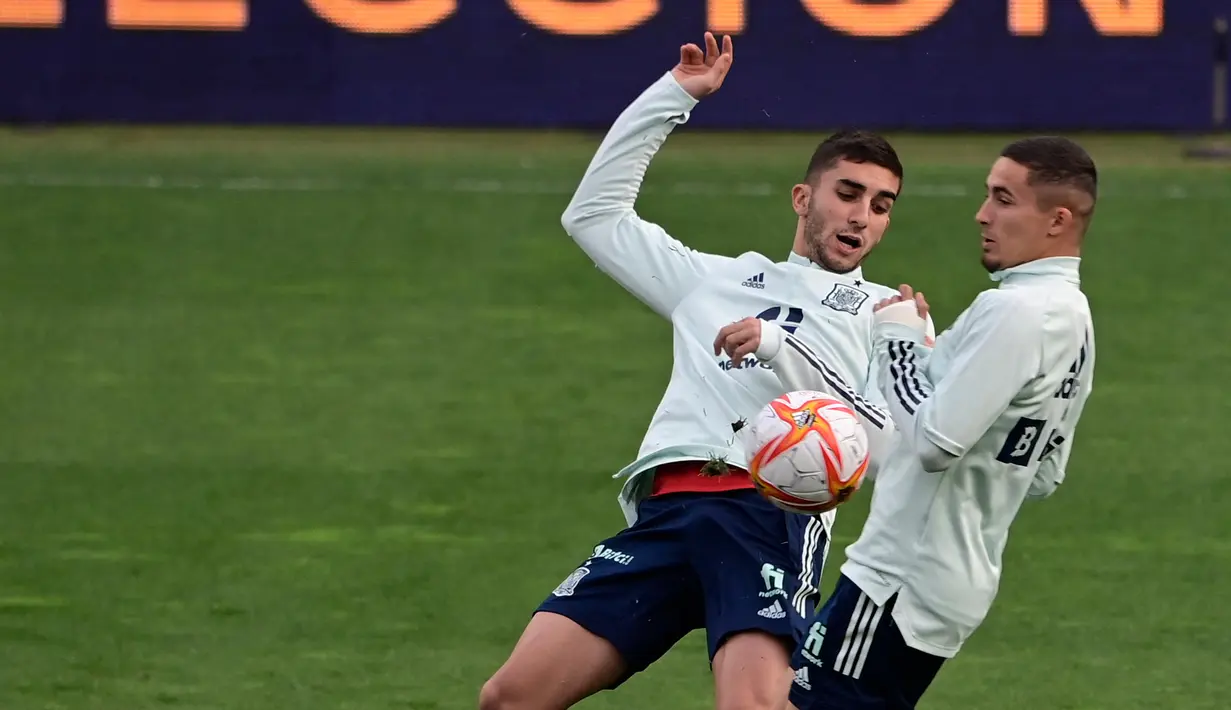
x=702, y=73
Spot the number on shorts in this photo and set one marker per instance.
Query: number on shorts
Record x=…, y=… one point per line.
x=772, y=576
x=815, y=639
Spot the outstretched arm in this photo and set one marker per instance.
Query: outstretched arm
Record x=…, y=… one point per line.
x=640, y=255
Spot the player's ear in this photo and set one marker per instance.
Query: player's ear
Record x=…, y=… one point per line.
x=1061, y=220
x=801, y=199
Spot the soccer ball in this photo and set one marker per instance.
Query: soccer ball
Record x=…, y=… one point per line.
x=807, y=452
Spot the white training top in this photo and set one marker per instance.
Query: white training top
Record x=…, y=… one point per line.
x=983, y=420
x=699, y=293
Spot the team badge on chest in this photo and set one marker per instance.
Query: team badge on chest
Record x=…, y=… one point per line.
x=845, y=298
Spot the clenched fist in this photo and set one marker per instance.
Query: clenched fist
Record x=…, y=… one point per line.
x=740, y=339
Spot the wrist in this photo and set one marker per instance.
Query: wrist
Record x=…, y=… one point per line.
x=902, y=313
x=892, y=330
x=686, y=100
x=772, y=336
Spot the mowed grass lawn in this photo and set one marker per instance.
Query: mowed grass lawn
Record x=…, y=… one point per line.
x=314, y=419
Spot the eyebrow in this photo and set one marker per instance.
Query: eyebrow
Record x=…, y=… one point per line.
x=863, y=188
x=1000, y=190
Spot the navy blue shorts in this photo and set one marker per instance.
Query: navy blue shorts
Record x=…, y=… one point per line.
x=853, y=657
x=725, y=562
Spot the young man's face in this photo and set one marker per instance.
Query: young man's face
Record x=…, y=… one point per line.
x=1015, y=226
x=845, y=212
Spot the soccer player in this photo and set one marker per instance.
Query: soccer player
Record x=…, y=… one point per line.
x=702, y=548
x=984, y=420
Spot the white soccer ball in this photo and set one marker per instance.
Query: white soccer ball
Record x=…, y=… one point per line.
x=807, y=452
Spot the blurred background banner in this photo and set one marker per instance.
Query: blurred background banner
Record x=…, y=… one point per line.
x=801, y=64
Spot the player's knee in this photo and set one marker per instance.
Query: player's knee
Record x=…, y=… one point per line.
x=489, y=695
x=495, y=695
x=511, y=691
x=500, y=693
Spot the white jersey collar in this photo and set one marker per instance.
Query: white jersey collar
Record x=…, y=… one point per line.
x=793, y=258
x=1066, y=267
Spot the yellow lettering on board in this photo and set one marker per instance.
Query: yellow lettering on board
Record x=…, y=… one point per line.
x=384, y=16
x=859, y=20
x=585, y=18
x=216, y=15
x=726, y=17
x=31, y=13
x=1111, y=18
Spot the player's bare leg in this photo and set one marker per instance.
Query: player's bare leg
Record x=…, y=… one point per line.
x=752, y=671
x=555, y=664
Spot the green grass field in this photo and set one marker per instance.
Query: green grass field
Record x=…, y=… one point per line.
x=302, y=419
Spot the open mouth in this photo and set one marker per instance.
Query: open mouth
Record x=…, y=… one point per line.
x=850, y=240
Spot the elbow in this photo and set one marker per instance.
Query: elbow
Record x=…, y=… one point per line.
x=572, y=220
x=583, y=223
x=935, y=456
x=591, y=230
x=934, y=459
x=583, y=231
x=578, y=213
x=1042, y=488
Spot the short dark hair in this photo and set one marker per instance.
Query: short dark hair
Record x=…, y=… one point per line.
x=1053, y=161
x=856, y=146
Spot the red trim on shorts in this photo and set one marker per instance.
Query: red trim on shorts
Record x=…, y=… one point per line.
x=686, y=477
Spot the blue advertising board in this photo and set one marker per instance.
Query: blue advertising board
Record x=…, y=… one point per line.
x=801, y=64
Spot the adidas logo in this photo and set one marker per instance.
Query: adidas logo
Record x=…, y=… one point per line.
x=757, y=281
x=773, y=611
x=801, y=678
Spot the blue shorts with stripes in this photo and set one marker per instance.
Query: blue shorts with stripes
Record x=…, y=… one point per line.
x=853, y=657
x=725, y=562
